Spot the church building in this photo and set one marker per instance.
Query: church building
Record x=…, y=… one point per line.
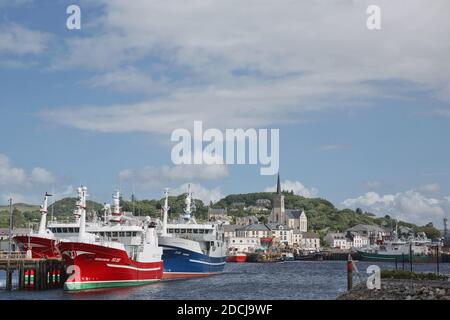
x=292, y=218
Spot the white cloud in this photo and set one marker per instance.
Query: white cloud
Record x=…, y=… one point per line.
x=41, y=175
x=21, y=185
x=200, y=192
x=297, y=187
x=372, y=184
x=430, y=188
x=151, y=176
x=18, y=40
x=127, y=80
x=411, y=206
x=10, y=175
x=267, y=63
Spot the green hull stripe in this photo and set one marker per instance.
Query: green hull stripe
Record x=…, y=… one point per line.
x=75, y=286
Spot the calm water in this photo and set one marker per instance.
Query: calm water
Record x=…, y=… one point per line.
x=288, y=280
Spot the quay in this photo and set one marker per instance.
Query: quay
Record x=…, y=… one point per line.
x=33, y=274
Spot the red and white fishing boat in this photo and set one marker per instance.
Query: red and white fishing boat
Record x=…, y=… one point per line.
x=124, y=252
x=235, y=256
x=41, y=244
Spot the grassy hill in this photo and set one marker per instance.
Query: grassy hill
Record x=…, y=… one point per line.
x=322, y=215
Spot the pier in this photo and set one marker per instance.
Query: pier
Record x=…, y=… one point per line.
x=32, y=274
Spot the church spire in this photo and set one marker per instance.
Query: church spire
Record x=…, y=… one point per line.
x=278, y=184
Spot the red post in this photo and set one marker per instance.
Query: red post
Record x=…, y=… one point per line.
x=349, y=272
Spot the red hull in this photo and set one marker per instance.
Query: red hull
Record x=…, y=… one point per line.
x=98, y=266
x=40, y=247
x=237, y=258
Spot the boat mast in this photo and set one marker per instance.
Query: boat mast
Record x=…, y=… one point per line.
x=116, y=211
x=79, y=204
x=44, y=210
x=166, y=211
x=82, y=231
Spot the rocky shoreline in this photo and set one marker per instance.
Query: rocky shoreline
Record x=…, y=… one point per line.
x=395, y=289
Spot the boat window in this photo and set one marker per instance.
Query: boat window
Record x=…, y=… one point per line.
x=195, y=230
x=128, y=233
x=189, y=230
x=108, y=234
x=183, y=230
x=70, y=230
x=115, y=234
x=121, y=234
x=200, y=231
x=102, y=234
x=177, y=230
x=76, y=230
x=170, y=230
x=134, y=233
x=64, y=230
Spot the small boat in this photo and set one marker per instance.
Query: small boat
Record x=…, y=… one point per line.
x=287, y=256
x=235, y=256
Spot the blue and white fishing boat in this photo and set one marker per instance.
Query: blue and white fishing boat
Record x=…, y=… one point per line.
x=191, y=249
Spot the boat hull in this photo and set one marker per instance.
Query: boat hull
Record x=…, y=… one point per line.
x=40, y=247
x=371, y=256
x=238, y=258
x=183, y=263
x=97, y=266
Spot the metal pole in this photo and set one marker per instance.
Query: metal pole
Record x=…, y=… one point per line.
x=410, y=257
x=10, y=226
x=437, y=258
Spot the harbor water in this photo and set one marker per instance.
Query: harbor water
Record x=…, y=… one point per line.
x=246, y=281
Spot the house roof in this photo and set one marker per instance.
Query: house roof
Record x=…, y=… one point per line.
x=310, y=235
x=256, y=227
x=230, y=227
x=292, y=213
x=276, y=226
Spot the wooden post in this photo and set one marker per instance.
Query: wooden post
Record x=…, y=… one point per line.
x=21, y=276
x=349, y=272
x=8, y=275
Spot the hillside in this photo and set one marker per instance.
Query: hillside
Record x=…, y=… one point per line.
x=322, y=215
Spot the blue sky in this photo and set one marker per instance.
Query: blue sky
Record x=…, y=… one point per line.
x=364, y=116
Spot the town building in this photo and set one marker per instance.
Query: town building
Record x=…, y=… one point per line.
x=337, y=240
x=309, y=241
x=294, y=219
x=218, y=214
x=245, y=221
x=244, y=244
x=229, y=230
x=356, y=240
x=372, y=232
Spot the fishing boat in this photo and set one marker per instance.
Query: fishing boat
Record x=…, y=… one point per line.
x=43, y=243
x=124, y=252
x=415, y=248
x=190, y=249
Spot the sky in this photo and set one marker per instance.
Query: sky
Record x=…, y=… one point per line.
x=363, y=115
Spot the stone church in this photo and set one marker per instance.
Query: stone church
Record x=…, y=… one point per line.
x=294, y=219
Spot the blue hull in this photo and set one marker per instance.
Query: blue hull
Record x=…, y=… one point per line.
x=182, y=263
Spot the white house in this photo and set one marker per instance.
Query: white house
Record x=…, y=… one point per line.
x=337, y=240
x=243, y=244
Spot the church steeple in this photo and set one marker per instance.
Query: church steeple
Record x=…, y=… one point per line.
x=278, y=184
